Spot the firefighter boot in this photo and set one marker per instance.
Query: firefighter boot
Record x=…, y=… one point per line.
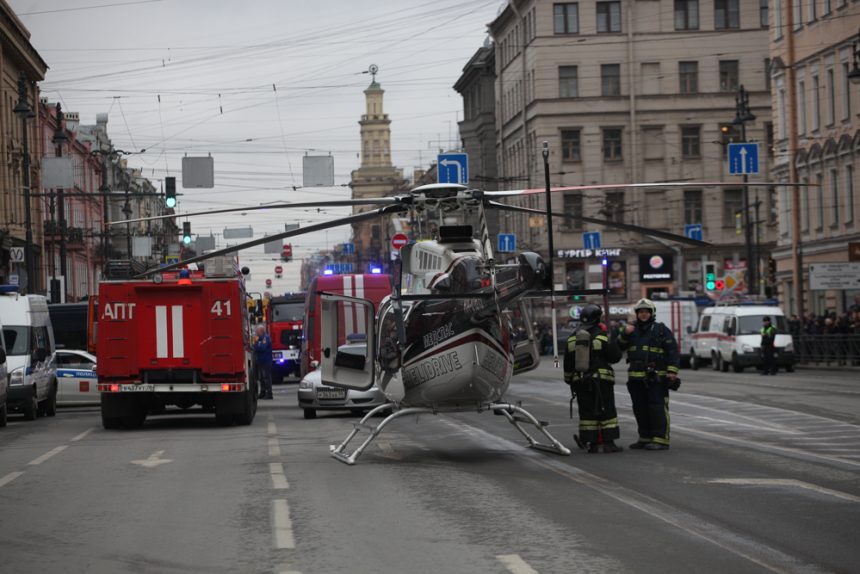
x=593, y=447
x=610, y=446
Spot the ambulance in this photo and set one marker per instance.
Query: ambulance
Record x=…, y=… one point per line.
x=177, y=339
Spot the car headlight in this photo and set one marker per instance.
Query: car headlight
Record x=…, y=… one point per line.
x=16, y=377
x=747, y=348
x=789, y=348
x=305, y=384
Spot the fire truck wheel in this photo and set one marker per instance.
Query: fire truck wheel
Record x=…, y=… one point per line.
x=249, y=409
x=134, y=421
x=31, y=409
x=111, y=423
x=310, y=413
x=223, y=419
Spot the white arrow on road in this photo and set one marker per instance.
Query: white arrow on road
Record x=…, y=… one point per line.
x=153, y=460
x=446, y=162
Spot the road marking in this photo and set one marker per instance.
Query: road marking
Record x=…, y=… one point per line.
x=786, y=482
x=741, y=545
x=272, y=430
x=274, y=447
x=82, y=435
x=515, y=564
x=9, y=478
x=153, y=461
x=283, y=525
x=47, y=455
x=279, y=480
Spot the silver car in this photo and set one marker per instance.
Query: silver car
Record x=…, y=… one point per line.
x=314, y=396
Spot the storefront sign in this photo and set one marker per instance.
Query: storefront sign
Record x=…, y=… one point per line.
x=588, y=253
x=656, y=268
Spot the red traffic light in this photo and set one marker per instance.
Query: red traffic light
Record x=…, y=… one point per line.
x=719, y=284
x=287, y=250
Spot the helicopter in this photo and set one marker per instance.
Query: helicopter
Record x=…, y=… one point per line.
x=445, y=339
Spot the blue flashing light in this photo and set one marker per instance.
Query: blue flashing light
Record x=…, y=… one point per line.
x=605, y=261
x=376, y=270
x=328, y=272
x=9, y=288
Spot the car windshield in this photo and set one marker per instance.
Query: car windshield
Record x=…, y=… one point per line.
x=17, y=340
x=752, y=324
x=288, y=312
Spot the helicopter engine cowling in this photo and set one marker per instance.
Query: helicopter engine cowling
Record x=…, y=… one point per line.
x=531, y=273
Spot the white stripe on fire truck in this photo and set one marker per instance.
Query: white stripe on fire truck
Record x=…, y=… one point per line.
x=178, y=335
x=347, y=308
x=359, y=309
x=160, y=331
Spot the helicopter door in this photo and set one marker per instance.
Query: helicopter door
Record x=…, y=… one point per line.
x=348, y=335
x=524, y=343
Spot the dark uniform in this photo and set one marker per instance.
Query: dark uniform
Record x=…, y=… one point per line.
x=768, y=349
x=652, y=354
x=594, y=388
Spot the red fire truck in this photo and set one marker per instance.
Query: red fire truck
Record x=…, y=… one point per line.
x=179, y=339
x=373, y=286
x=285, y=317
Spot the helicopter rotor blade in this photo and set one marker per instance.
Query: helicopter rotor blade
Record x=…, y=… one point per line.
x=387, y=210
x=616, y=225
x=659, y=185
x=303, y=204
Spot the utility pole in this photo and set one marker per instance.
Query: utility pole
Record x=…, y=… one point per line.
x=58, y=140
x=742, y=116
x=23, y=111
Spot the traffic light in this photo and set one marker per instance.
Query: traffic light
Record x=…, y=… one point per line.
x=186, y=232
x=170, y=191
x=771, y=271
x=710, y=276
x=738, y=223
x=287, y=252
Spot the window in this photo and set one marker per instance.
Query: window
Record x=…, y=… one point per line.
x=567, y=82
x=652, y=142
x=777, y=21
x=763, y=15
x=650, y=77
x=846, y=92
x=819, y=197
x=849, y=194
x=570, y=150
x=687, y=14
x=692, y=206
x=608, y=17
x=827, y=8
x=610, y=79
x=801, y=107
x=728, y=75
x=812, y=14
x=797, y=12
x=691, y=142
x=612, y=144
x=831, y=97
x=816, y=103
x=613, y=208
x=726, y=14
x=834, y=198
x=733, y=202
x=566, y=18
x=688, y=73
x=572, y=205
x=805, y=206
x=767, y=74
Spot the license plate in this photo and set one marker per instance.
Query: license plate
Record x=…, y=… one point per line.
x=137, y=388
x=291, y=354
x=331, y=393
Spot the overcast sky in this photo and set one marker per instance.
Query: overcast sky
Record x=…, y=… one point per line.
x=258, y=84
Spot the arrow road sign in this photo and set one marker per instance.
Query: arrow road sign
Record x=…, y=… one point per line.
x=507, y=242
x=743, y=158
x=591, y=240
x=693, y=231
x=453, y=168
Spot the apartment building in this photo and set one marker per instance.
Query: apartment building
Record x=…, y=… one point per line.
x=816, y=100
x=636, y=91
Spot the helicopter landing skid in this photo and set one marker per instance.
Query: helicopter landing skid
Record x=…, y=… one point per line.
x=515, y=415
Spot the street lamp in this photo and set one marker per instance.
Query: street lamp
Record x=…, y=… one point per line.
x=58, y=140
x=23, y=111
x=854, y=74
x=742, y=116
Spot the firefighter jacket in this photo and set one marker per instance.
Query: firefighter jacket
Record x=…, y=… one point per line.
x=768, y=337
x=651, y=348
x=604, y=352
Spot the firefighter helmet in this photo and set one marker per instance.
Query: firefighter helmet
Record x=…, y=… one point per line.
x=590, y=315
x=646, y=304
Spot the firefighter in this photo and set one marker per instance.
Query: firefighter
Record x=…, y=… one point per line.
x=768, y=338
x=652, y=355
x=588, y=360
x=263, y=356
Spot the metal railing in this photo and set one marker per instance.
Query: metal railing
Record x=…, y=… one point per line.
x=828, y=349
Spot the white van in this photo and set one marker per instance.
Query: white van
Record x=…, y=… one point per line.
x=730, y=336
x=4, y=380
x=29, y=341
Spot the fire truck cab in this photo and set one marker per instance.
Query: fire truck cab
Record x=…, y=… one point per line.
x=179, y=339
x=285, y=317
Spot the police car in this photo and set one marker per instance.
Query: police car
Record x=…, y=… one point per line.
x=76, y=377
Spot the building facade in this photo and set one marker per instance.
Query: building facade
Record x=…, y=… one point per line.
x=627, y=92
x=814, y=48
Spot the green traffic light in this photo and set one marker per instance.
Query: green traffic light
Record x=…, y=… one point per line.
x=170, y=202
x=186, y=240
x=710, y=285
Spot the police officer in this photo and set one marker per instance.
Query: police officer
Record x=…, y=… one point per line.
x=593, y=383
x=652, y=354
x=768, y=340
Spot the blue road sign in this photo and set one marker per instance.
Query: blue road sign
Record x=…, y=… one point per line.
x=743, y=158
x=507, y=242
x=693, y=231
x=591, y=240
x=349, y=248
x=453, y=168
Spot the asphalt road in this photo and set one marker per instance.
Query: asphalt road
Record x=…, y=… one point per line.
x=763, y=476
